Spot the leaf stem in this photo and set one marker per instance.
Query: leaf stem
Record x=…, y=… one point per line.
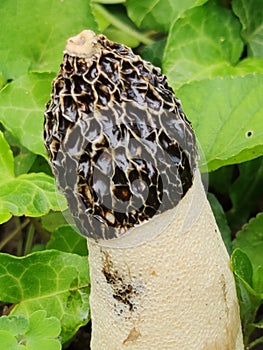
x=13, y=233
x=254, y=343
x=45, y=235
x=123, y=26
x=29, y=239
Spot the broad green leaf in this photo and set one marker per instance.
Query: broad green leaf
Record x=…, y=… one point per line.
x=43, y=332
x=258, y=280
x=121, y=37
x=22, y=105
x=66, y=239
x=2, y=80
x=250, y=240
x=41, y=165
x=37, y=332
x=248, y=303
x=23, y=158
x=9, y=341
x=118, y=27
x=102, y=20
x=31, y=194
x=14, y=324
x=242, y=266
x=34, y=32
x=50, y=280
x=249, y=299
x=28, y=194
x=221, y=221
x=24, y=161
x=53, y=220
x=158, y=14
x=154, y=52
x=245, y=193
x=5, y=214
x=249, y=65
x=6, y=160
x=226, y=114
x=250, y=13
x=202, y=44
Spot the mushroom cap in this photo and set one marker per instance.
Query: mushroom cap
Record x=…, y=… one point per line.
x=120, y=146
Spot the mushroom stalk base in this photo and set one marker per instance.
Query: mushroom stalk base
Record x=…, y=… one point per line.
x=173, y=292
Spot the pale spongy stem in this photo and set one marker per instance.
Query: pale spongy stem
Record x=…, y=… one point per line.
x=174, y=292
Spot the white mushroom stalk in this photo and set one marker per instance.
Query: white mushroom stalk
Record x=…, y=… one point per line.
x=125, y=156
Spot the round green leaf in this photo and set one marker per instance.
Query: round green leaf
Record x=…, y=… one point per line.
x=31, y=194
x=6, y=160
x=158, y=14
x=66, y=239
x=16, y=325
x=202, y=44
x=250, y=13
x=250, y=240
x=242, y=266
x=49, y=280
x=43, y=332
x=8, y=341
x=22, y=105
x=226, y=114
x=34, y=32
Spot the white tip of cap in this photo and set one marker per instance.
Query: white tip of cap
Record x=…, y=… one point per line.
x=82, y=45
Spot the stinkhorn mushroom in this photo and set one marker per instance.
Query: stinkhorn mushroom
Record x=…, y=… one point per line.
x=125, y=156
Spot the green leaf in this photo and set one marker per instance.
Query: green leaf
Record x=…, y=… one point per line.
x=37, y=332
x=24, y=161
x=242, y=266
x=250, y=240
x=31, y=194
x=249, y=299
x=248, y=303
x=121, y=37
x=199, y=45
x=23, y=158
x=102, y=20
x=14, y=324
x=2, y=80
x=5, y=214
x=50, y=280
x=42, y=332
x=121, y=28
x=154, y=52
x=227, y=117
x=221, y=221
x=245, y=194
x=258, y=280
x=158, y=14
x=22, y=105
x=259, y=324
x=8, y=341
x=6, y=160
x=34, y=32
x=250, y=13
x=250, y=65
x=53, y=220
x=66, y=239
